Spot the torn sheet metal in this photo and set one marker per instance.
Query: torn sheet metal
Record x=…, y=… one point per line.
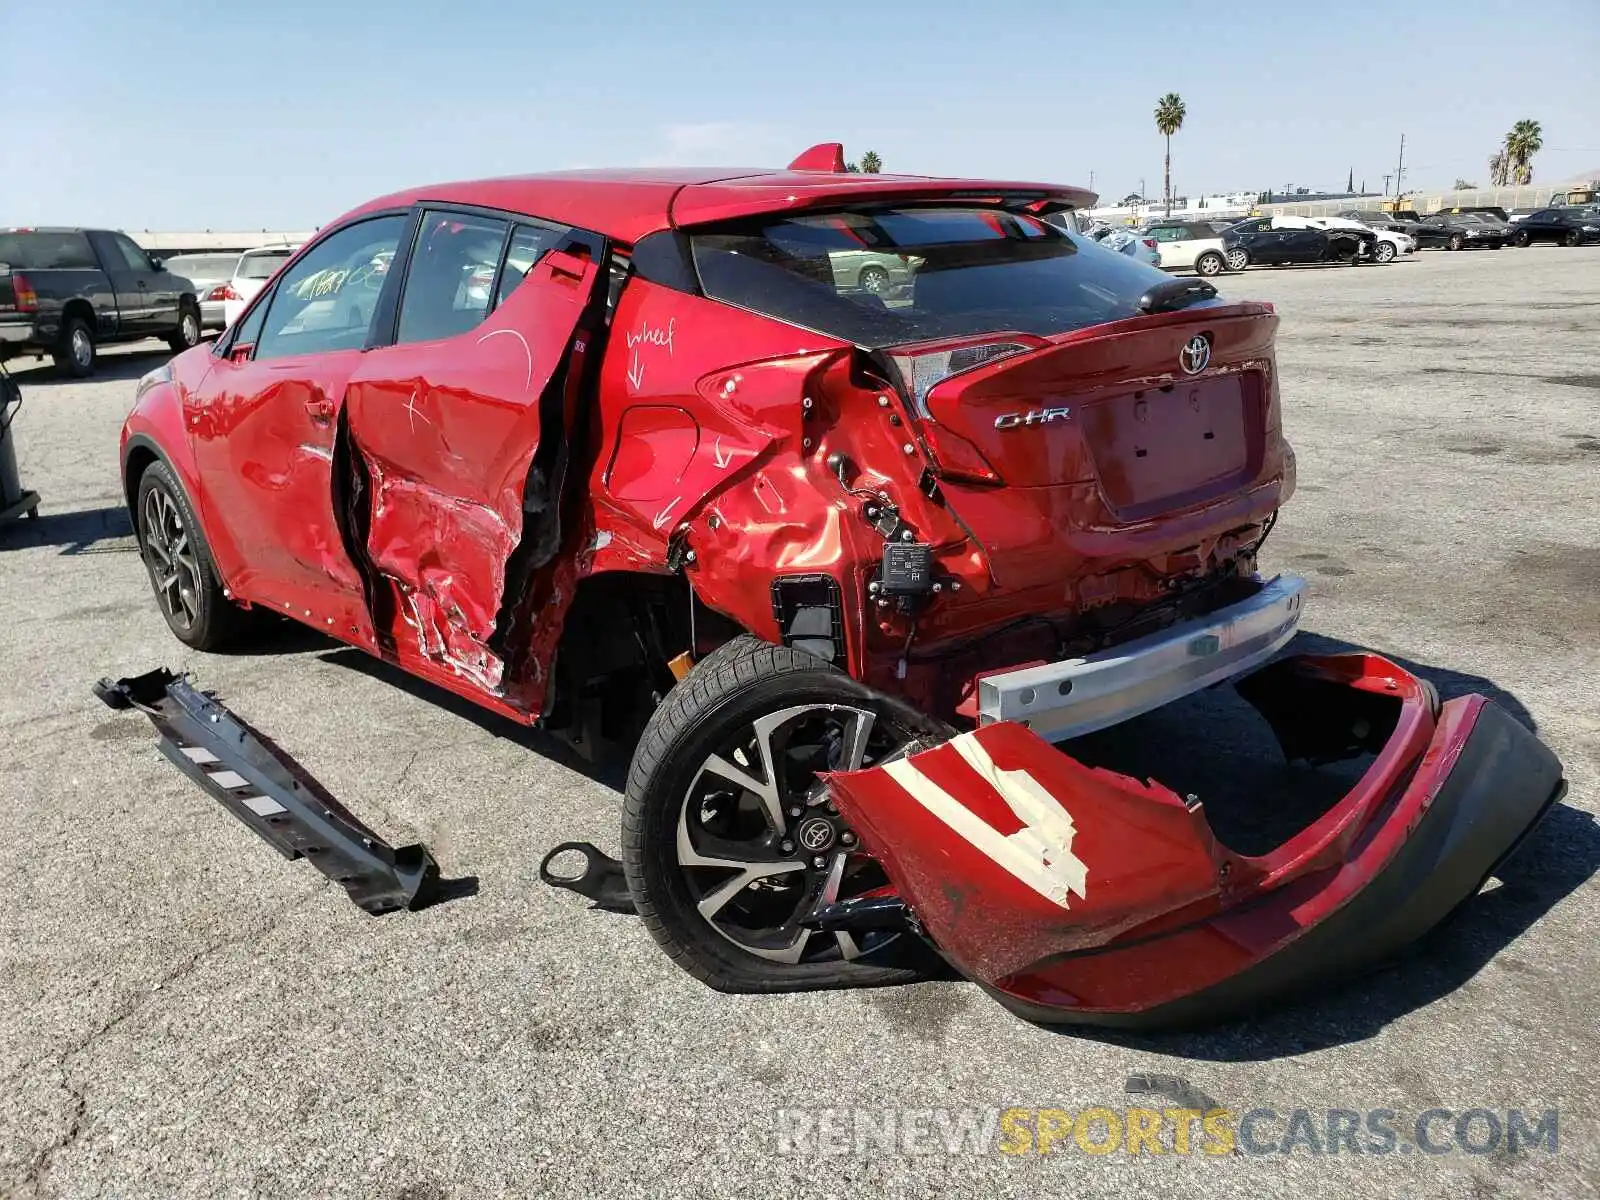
x=275, y=796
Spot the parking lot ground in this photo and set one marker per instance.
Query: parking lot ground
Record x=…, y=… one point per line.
x=182, y=1013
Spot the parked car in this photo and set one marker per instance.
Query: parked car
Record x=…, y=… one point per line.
x=1137, y=244
x=1280, y=240
x=1563, y=226
x=1462, y=231
x=670, y=484
x=877, y=274
x=251, y=270
x=66, y=292
x=1377, y=219
x=1190, y=246
x=1390, y=245
x=210, y=274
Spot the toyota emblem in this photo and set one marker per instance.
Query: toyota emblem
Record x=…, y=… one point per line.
x=1196, y=353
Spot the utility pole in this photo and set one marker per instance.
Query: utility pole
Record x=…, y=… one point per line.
x=1400, y=167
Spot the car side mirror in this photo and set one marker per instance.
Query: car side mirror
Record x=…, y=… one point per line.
x=158, y=264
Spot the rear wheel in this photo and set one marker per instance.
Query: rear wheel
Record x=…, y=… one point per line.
x=1522, y=239
x=1238, y=259
x=1385, y=252
x=1574, y=238
x=1209, y=263
x=75, y=355
x=729, y=841
x=1457, y=241
x=183, y=574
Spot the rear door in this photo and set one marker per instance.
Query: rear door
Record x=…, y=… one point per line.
x=265, y=421
x=460, y=428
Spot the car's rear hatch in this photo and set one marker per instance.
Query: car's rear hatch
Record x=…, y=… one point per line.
x=1093, y=435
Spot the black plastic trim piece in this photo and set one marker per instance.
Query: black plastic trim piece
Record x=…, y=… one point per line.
x=277, y=799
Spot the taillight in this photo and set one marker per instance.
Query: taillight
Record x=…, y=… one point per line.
x=954, y=457
x=1149, y=243
x=223, y=291
x=27, y=300
x=924, y=368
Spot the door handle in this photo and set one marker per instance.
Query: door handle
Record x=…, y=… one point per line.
x=320, y=407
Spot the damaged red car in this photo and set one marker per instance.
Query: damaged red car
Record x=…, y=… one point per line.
x=637, y=457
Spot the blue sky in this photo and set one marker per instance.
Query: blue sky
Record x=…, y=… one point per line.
x=149, y=114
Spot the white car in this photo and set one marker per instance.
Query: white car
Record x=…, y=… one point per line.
x=250, y=274
x=1391, y=245
x=1190, y=246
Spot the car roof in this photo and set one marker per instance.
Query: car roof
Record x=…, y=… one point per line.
x=628, y=204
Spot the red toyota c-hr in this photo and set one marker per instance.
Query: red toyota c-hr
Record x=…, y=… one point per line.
x=837, y=497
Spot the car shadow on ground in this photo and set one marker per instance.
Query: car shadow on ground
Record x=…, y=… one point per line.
x=112, y=366
x=609, y=767
x=1558, y=857
x=1216, y=746
x=88, y=531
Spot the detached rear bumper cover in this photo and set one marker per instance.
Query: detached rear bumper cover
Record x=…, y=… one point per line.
x=1079, y=895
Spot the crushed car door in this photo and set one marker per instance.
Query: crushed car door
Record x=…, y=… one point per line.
x=264, y=424
x=459, y=438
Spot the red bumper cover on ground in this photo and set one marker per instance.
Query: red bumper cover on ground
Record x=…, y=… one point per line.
x=1080, y=895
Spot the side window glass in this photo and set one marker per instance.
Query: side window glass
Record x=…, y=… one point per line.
x=135, y=258
x=450, y=283
x=326, y=300
x=528, y=245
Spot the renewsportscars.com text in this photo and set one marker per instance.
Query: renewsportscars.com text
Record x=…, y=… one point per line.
x=1217, y=1132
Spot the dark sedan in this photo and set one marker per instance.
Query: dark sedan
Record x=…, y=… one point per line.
x=1393, y=222
x=1564, y=226
x=1461, y=231
x=1278, y=241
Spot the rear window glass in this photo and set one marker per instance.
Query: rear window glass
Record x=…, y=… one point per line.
x=46, y=251
x=885, y=277
x=261, y=266
x=202, y=266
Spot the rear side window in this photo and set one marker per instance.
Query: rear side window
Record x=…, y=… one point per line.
x=47, y=251
x=450, y=285
x=885, y=277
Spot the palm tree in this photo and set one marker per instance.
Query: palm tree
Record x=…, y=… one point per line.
x=871, y=164
x=1499, y=169
x=1524, y=141
x=1169, y=119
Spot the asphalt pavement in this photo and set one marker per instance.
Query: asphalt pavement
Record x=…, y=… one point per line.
x=183, y=1013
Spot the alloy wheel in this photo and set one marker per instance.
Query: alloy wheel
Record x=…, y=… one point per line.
x=169, y=554
x=82, y=348
x=1237, y=260
x=760, y=844
x=875, y=280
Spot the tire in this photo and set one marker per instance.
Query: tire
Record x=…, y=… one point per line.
x=183, y=574
x=1385, y=253
x=873, y=279
x=76, y=354
x=188, y=332
x=1210, y=263
x=1457, y=241
x=1238, y=259
x=1574, y=238
x=1522, y=239
x=748, y=704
